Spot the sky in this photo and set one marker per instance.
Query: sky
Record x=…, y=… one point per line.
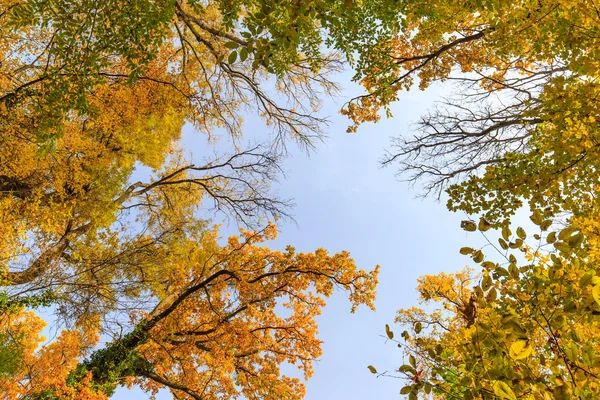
x=345, y=200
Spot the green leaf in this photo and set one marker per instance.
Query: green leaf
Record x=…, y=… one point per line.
x=372, y=369
x=418, y=327
x=562, y=246
x=389, y=332
x=431, y=353
x=232, y=45
x=232, y=57
x=243, y=54
x=575, y=240
x=466, y=250
x=505, y=232
x=406, y=390
x=545, y=224
x=516, y=244
x=503, y=244
x=536, y=217
x=478, y=256
x=492, y=295
x=521, y=233
x=427, y=388
x=486, y=282
x=566, y=233
x=513, y=271
x=412, y=361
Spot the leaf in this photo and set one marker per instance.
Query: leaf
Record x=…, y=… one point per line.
x=412, y=361
x=468, y=226
x=243, y=54
x=563, y=247
x=505, y=232
x=545, y=224
x=232, y=57
x=406, y=368
x=516, y=244
x=486, y=282
x=520, y=350
x=372, y=369
x=406, y=390
x=478, y=256
x=491, y=296
x=466, y=250
x=389, y=332
x=576, y=240
x=431, y=353
x=536, y=217
x=566, y=233
x=418, y=327
x=503, y=391
x=596, y=293
x=484, y=225
x=232, y=45
x=521, y=233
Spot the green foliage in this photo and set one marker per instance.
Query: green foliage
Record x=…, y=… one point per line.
x=11, y=353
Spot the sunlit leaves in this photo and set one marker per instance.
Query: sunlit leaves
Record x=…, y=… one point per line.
x=503, y=391
x=519, y=350
x=533, y=313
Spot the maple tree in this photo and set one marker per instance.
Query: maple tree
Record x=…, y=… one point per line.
x=92, y=93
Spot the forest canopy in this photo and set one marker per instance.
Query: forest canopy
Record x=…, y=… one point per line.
x=520, y=132
x=91, y=92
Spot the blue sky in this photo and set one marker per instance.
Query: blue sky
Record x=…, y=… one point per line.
x=346, y=201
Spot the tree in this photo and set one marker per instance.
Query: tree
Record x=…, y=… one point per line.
x=214, y=57
x=205, y=323
x=534, y=331
x=90, y=92
x=522, y=126
x=522, y=129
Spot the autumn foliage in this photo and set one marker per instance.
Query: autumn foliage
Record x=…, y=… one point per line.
x=104, y=228
x=520, y=131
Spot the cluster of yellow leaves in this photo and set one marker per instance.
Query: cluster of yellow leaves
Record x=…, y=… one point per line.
x=534, y=334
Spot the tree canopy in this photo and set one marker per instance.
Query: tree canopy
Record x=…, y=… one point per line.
x=521, y=124
x=521, y=129
x=91, y=94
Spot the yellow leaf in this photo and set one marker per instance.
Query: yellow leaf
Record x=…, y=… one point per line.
x=519, y=350
x=503, y=391
x=596, y=293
